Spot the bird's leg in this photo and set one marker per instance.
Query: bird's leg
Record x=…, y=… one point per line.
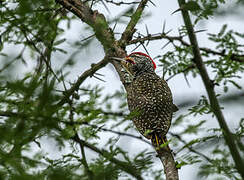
x=155, y=141
x=160, y=142
x=163, y=140
x=156, y=138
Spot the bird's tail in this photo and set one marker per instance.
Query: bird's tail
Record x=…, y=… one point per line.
x=160, y=142
x=165, y=154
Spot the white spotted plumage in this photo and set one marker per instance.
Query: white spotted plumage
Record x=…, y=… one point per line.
x=150, y=96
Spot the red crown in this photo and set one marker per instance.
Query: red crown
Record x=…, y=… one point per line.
x=143, y=54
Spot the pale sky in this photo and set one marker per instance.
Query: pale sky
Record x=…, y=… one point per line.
x=179, y=88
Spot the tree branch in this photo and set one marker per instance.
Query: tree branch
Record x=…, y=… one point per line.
x=196, y=152
x=103, y=33
x=121, y=2
x=107, y=130
x=88, y=73
x=119, y=133
x=94, y=19
x=82, y=150
x=122, y=164
x=130, y=28
x=12, y=114
x=127, y=36
x=112, y=48
x=211, y=93
x=152, y=37
x=166, y=156
x=84, y=162
x=190, y=148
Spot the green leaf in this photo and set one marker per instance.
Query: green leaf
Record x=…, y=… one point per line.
x=191, y=6
x=223, y=30
x=226, y=89
x=179, y=165
x=235, y=84
x=59, y=42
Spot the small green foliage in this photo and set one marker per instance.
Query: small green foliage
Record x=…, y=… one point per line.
x=194, y=128
x=147, y=132
x=225, y=68
x=68, y=132
x=178, y=61
x=180, y=164
x=179, y=120
x=143, y=161
x=202, y=107
x=218, y=165
x=191, y=6
x=104, y=169
x=165, y=144
x=208, y=8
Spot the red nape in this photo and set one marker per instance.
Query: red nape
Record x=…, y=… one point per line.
x=143, y=54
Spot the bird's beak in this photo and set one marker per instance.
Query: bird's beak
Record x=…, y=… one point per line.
x=124, y=60
x=118, y=59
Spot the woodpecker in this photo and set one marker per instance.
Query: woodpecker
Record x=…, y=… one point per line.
x=149, y=96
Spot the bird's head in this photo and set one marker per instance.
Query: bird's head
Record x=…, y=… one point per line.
x=137, y=63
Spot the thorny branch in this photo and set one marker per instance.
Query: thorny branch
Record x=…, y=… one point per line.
x=230, y=141
x=112, y=131
x=130, y=28
x=112, y=48
x=103, y=33
x=88, y=73
x=96, y=21
x=125, y=134
x=122, y=2
x=91, y=18
x=83, y=160
x=195, y=151
x=122, y=164
x=151, y=37
x=189, y=148
x=44, y=56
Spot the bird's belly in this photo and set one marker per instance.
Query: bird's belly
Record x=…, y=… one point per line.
x=150, y=116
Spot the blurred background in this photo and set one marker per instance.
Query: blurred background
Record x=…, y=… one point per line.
x=191, y=124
